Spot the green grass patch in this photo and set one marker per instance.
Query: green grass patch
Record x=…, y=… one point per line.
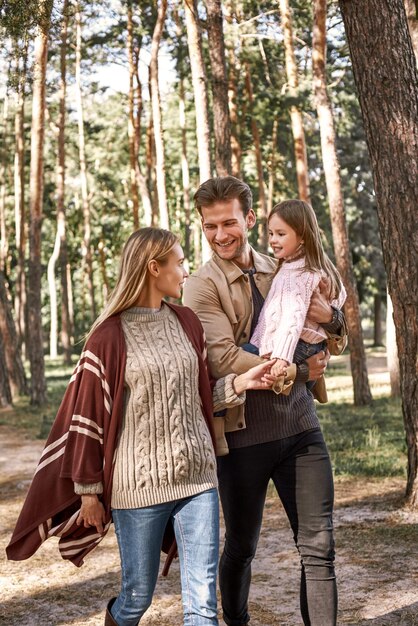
x=367, y=440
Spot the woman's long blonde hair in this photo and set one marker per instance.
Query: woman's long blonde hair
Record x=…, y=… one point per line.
x=300, y=216
x=143, y=246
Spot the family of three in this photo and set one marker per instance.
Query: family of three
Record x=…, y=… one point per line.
x=135, y=437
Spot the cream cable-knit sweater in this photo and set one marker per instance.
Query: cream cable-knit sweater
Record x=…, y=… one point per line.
x=165, y=451
x=283, y=320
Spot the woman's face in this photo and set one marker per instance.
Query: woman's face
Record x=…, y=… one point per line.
x=172, y=274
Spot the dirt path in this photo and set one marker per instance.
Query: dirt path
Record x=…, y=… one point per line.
x=376, y=556
x=376, y=544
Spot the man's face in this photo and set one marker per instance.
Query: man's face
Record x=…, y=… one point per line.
x=226, y=230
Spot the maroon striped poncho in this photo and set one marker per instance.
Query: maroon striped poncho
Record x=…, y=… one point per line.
x=82, y=444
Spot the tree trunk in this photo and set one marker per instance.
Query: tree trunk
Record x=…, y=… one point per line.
x=392, y=352
x=387, y=83
x=233, y=112
x=263, y=227
x=378, y=321
x=86, y=243
x=302, y=170
x=3, y=230
x=272, y=167
x=139, y=187
x=411, y=8
x=13, y=360
x=156, y=115
x=133, y=156
x=60, y=245
x=194, y=42
x=184, y=170
x=362, y=394
x=20, y=213
x=5, y=394
x=222, y=124
x=36, y=349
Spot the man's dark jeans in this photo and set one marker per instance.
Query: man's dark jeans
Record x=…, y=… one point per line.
x=300, y=469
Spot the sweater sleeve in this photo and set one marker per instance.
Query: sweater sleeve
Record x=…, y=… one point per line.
x=83, y=490
x=224, y=395
x=286, y=317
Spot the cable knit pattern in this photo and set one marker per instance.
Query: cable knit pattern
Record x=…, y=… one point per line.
x=165, y=451
x=283, y=318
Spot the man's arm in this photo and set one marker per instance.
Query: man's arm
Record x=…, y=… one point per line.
x=225, y=357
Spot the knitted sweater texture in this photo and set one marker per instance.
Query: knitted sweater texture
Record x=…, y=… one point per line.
x=165, y=451
x=283, y=318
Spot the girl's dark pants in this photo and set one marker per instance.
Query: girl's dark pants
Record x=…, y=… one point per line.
x=300, y=469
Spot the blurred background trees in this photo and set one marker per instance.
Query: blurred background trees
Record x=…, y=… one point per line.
x=111, y=115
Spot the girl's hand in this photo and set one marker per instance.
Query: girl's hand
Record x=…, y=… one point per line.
x=258, y=377
x=92, y=512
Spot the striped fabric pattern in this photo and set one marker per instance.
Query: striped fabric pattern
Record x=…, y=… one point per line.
x=81, y=446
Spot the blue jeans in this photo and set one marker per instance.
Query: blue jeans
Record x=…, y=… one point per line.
x=302, y=352
x=140, y=532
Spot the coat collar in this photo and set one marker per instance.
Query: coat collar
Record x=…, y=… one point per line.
x=262, y=263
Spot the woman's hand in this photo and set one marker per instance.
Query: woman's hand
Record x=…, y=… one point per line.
x=258, y=377
x=92, y=512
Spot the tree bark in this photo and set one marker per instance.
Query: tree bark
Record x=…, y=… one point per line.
x=219, y=81
x=387, y=82
x=20, y=212
x=361, y=387
x=86, y=250
x=392, y=352
x=60, y=245
x=3, y=230
x=262, y=229
x=36, y=349
x=5, y=393
x=298, y=132
x=377, y=325
x=14, y=366
x=272, y=167
x=194, y=42
x=133, y=156
x=156, y=115
x=411, y=8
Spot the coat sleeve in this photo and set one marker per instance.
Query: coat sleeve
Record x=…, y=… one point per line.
x=225, y=357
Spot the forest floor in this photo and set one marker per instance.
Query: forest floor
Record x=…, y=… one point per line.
x=376, y=539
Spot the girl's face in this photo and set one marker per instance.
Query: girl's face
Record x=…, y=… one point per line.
x=172, y=274
x=282, y=238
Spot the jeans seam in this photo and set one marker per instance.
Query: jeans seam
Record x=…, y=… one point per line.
x=186, y=569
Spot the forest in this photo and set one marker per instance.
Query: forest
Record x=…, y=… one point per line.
x=113, y=113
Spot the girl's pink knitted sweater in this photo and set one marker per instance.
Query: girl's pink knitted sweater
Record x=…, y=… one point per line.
x=283, y=320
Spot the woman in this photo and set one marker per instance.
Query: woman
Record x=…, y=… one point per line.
x=133, y=437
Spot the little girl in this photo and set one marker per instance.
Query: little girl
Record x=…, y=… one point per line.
x=283, y=330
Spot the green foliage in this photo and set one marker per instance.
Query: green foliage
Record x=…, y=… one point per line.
x=365, y=440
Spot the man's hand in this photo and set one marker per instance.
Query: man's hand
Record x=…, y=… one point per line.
x=317, y=364
x=320, y=310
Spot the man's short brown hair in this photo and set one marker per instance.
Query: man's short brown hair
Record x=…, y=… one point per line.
x=221, y=189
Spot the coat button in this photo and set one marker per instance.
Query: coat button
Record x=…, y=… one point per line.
x=244, y=335
x=240, y=425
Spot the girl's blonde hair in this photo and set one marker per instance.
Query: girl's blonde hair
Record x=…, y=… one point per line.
x=300, y=216
x=143, y=246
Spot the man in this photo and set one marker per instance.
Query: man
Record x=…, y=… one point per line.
x=278, y=437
